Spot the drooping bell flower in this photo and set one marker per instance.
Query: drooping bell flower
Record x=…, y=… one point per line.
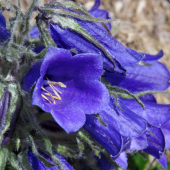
x=156, y=139
x=149, y=76
x=117, y=125
x=109, y=138
x=68, y=87
x=94, y=11
x=82, y=32
x=4, y=33
x=36, y=164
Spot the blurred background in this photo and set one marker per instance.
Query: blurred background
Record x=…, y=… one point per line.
x=145, y=27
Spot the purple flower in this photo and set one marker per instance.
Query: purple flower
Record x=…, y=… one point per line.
x=108, y=46
x=153, y=77
x=109, y=138
x=118, y=125
x=4, y=33
x=36, y=164
x=67, y=86
x=132, y=129
x=69, y=39
x=156, y=139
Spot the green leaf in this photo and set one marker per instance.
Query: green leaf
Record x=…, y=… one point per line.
x=18, y=141
x=3, y=157
x=121, y=92
x=23, y=160
x=141, y=63
x=70, y=5
x=115, y=29
x=63, y=150
x=35, y=151
x=41, y=54
x=100, y=119
x=44, y=34
x=14, y=161
x=46, y=140
x=138, y=161
x=96, y=149
x=26, y=133
x=81, y=146
x=75, y=15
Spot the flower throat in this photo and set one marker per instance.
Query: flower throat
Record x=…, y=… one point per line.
x=54, y=89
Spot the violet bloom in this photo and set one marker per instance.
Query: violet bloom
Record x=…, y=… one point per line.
x=36, y=164
x=4, y=33
x=156, y=139
x=133, y=129
x=94, y=11
x=67, y=86
x=118, y=125
x=69, y=39
x=152, y=77
x=108, y=46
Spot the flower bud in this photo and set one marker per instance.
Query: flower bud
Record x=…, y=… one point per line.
x=8, y=111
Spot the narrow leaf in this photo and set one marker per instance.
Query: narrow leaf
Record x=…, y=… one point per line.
x=75, y=15
x=4, y=156
x=120, y=90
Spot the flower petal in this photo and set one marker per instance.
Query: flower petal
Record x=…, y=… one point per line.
x=156, y=142
x=121, y=120
x=2, y=21
x=122, y=160
x=149, y=57
x=125, y=56
x=60, y=62
x=163, y=161
x=156, y=114
x=34, y=32
x=38, y=165
x=109, y=138
x=139, y=143
x=139, y=78
x=4, y=33
x=68, y=39
x=83, y=94
x=166, y=131
x=95, y=6
x=104, y=164
x=99, y=13
x=32, y=76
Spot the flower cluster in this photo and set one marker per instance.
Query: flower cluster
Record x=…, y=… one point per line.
x=77, y=84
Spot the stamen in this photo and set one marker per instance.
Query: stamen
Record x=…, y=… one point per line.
x=49, y=94
x=54, y=97
x=57, y=98
x=45, y=98
x=55, y=91
x=56, y=83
